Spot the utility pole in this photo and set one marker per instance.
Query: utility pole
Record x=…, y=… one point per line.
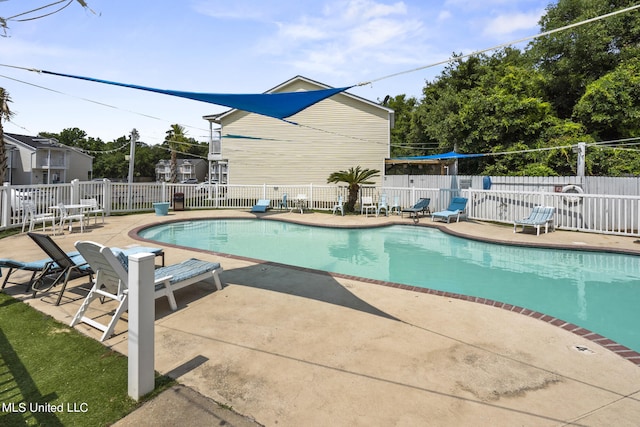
x=582, y=151
x=132, y=156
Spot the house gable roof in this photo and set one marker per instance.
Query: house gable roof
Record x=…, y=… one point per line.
x=34, y=143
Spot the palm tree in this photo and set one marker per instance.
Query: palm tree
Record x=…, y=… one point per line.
x=5, y=114
x=176, y=136
x=354, y=177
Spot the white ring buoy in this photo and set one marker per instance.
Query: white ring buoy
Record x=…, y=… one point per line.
x=572, y=189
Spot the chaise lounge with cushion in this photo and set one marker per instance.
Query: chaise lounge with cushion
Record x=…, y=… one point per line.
x=261, y=206
x=422, y=206
x=540, y=216
x=112, y=281
x=457, y=209
x=66, y=266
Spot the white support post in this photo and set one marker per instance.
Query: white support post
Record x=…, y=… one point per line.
x=141, y=326
x=75, y=191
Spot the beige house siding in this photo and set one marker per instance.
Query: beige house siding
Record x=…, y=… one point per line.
x=335, y=134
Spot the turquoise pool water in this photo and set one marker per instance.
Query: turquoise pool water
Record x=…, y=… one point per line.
x=598, y=291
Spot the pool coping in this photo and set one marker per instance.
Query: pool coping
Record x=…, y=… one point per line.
x=607, y=343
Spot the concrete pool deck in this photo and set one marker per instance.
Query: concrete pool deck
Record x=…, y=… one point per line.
x=288, y=347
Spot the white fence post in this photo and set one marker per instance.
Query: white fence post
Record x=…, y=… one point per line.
x=5, y=204
x=75, y=191
x=141, y=327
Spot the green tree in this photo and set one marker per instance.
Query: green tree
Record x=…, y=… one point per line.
x=403, y=108
x=5, y=114
x=574, y=58
x=610, y=107
x=486, y=104
x=111, y=162
x=147, y=157
x=354, y=178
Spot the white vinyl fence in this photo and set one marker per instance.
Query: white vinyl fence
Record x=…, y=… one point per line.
x=615, y=212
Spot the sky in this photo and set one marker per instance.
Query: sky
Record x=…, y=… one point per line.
x=228, y=46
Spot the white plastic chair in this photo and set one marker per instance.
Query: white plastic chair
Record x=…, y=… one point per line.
x=112, y=281
x=339, y=206
x=396, y=206
x=94, y=210
x=65, y=216
x=32, y=217
x=382, y=204
x=367, y=205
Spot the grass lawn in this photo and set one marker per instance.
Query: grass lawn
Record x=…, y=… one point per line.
x=50, y=374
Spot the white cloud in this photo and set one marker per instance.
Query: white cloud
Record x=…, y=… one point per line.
x=444, y=15
x=510, y=23
x=368, y=9
x=246, y=10
x=301, y=31
x=345, y=37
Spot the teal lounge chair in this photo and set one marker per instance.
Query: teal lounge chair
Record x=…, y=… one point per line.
x=422, y=206
x=540, y=215
x=455, y=210
x=261, y=206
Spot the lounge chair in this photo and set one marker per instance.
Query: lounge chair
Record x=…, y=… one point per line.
x=67, y=265
x=34, y=267
x=339, y=206
x=62, y=266
x=366, y=205
x=540, y=215
x=112, y=277
x=261, y=206
x=457, y=209
x=422, y=206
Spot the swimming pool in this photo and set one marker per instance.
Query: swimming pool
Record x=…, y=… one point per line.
x=595, y=290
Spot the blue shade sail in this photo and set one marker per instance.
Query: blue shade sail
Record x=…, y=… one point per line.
x=278, y=105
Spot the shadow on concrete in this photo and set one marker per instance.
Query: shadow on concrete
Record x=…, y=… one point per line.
x=312, y=284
